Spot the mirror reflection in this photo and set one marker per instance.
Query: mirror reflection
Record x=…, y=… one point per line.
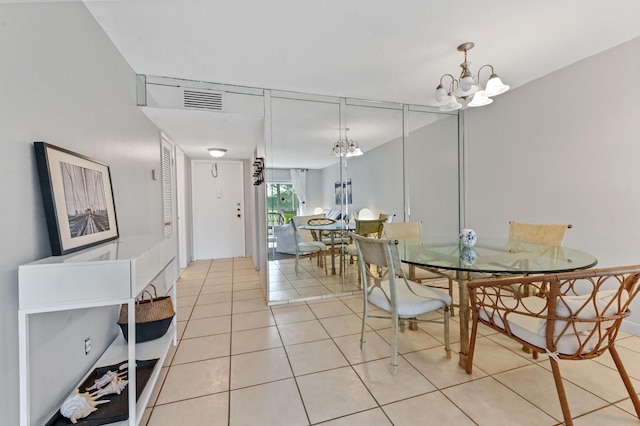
x=313, y=198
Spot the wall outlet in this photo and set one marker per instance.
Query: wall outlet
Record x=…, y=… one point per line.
x=87, y=345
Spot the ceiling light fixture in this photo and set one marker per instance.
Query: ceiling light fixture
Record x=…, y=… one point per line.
x=465, y=90
x=217, y=152
x=346, y=147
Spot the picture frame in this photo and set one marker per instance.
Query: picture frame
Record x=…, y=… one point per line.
x=343, y=192
x=78, y=199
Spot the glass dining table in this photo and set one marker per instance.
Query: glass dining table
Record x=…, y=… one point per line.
x=333, y=230
x=490, y=258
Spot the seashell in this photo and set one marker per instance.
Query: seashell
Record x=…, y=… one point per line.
x=115, y=386
x=79, y=405
x=102, y=381
x=105, y=379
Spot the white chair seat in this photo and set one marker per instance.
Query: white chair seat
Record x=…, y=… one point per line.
x=311, y=246
x=410, y=304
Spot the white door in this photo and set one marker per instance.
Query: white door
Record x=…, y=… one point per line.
x=218, y=210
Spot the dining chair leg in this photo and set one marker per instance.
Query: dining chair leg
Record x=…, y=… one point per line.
x=562, y=395
x=447, y=341
x=472, y=346
x=625, y=378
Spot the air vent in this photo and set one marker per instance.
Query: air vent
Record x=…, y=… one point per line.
x=212, y=101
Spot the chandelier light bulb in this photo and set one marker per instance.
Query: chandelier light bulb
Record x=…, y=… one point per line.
x=495, y=86
x=466, y=83
x=441, y=94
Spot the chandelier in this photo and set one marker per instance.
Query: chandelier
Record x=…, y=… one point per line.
x=346, y=147
x=465, y=90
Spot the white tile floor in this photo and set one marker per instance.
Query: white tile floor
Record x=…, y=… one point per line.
x=241, y=362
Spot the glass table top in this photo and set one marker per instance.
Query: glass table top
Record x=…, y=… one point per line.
x=496, y=256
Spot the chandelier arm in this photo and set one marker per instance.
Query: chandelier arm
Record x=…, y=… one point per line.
x=480, y=69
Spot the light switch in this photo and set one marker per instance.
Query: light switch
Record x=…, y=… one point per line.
x=219, y=193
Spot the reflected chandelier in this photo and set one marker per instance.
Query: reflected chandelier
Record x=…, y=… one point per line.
x=465, y=90
x=346, y=147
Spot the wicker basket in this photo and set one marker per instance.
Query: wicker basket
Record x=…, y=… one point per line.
x=153, y=317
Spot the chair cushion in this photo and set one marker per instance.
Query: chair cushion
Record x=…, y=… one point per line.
x=311, y=247
x=533, y=329
x=410, y=305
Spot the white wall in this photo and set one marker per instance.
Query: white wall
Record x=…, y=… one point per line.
x=564, y=149
x=63, y=82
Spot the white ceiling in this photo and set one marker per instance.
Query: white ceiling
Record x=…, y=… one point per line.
x=368, y=49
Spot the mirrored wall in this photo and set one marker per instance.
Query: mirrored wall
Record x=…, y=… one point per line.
x=409, y=170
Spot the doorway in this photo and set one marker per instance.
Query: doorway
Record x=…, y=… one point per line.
x=218, y=209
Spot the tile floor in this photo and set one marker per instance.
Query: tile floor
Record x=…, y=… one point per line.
x=241, y=362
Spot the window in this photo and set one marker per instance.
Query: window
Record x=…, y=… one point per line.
x=281, y=198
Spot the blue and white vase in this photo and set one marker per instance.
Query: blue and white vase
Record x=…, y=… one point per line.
x=468, y=237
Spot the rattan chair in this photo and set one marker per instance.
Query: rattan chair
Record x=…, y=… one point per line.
x=572, y=316
x=394, y=293
x=549, y=234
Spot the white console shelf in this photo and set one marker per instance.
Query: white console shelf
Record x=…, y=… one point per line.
x=110, y=274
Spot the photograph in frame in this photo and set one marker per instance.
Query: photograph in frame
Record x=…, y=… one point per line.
x=343, y=192
x=78, y=199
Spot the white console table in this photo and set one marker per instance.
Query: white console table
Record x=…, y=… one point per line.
x=111, y=274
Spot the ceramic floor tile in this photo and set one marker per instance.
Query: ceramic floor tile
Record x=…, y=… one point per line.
x=488, y=402
x=440, y=370
x=255, y=340
x=628, y=342
x=247, y=285
x=184, y=313
x=433, y=406
x=251, y=320
x=322, y=350
x=286, y=315
x=211, y=298
x=330, y=308
x=218, y=288
x=156, y=389
x=316, y=356
x=411, y=340
x=302, y=332
x=202, y=348
x=608, y=416
x=186, y=301
x=315, y=292
x=170, y=354
x=255, y=368
x=536, y=385
x=247, y=294
x=210, y=410
x=207, y=327
x=213, y=310
x=375, y=347
x=596, y=378
x=387, y=387
x=324, y=403
x=188, y=291
x=342, y=325
x=283, y=295
x=250, y=305
x=271, y=404
x=374, y=417
x=493, y=358
x=195, y=379
x=630, y=359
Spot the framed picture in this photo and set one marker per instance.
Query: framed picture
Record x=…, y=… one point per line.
x=343, y=192
x=78, y=199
